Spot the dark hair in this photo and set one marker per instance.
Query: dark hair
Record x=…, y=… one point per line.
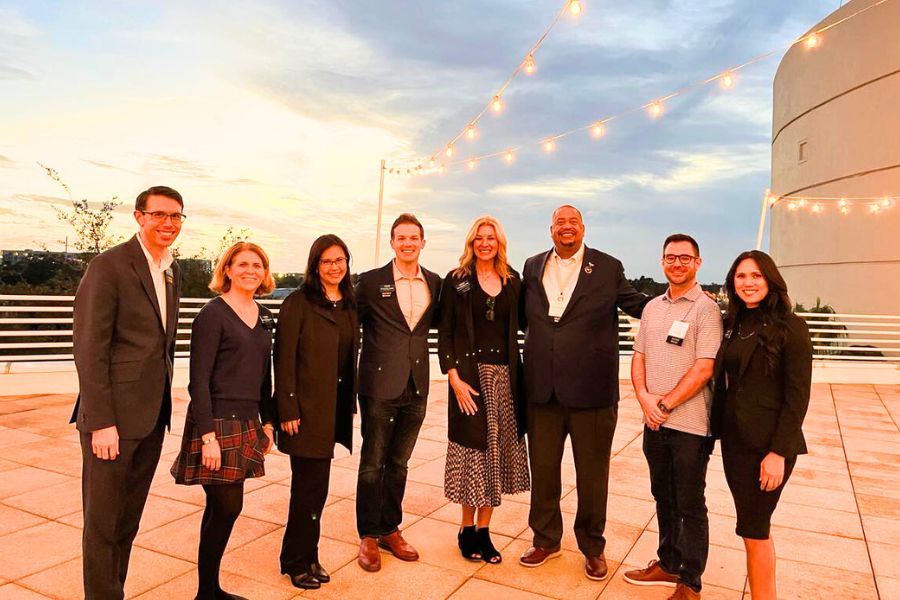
x=682, y=237
x=312, y=283
x=407, y=219
x=140, y=202
x=775, y=307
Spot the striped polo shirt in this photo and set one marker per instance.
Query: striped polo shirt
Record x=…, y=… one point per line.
x=667, y=363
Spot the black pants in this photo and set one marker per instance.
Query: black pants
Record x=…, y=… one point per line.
x=678, y=462
x=223, y=506
x=309, y=490
x=114, y=493
x=591, y=430
x=389, y=431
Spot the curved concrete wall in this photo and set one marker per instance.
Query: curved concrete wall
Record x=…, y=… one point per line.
x=842, y=101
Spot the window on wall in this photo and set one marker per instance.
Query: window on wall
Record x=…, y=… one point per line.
x=802, y=151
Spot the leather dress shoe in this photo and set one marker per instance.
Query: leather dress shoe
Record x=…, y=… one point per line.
x=595, y=567
x=396, y=545
x=369, y=557
x=305, y=581
x=319, y=572
x=536, y=556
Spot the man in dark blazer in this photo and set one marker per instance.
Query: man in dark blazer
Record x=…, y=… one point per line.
x=397, y=306
x=124, y=328
x=569, y=305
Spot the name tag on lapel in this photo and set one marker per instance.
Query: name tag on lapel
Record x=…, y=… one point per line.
x=677, y=332
x=463, y=286
x=387, y=290
x=170, y=277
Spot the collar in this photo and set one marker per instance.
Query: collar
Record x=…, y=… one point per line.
x=164, y=263
x=399, y=275
x=691, y=295
x=576, y=258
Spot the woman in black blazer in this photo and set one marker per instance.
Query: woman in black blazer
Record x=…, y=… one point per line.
x=762, y=381
x=478, y=348
x=316, y=343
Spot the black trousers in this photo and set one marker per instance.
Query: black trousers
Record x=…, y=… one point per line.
x=223, y=506
x=309, y=490
x=114, y=493
x=678, y=462
x=389, y=431
x=591, y=431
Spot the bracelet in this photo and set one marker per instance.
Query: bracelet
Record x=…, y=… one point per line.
x=663, y=408
x=208, y=441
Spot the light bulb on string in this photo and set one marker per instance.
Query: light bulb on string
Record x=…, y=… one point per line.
x=471, y=132
x=816, y=208
x=842, y=203
x=497, y=104
x=509, y=156
x=844, y=207
x=792, y=205
x=597, y=129
x=802, y=202
x=655, y=109
x=471, y=164
x=431, y=163
x=575, y=7
x=529, y=66
x=885, y=202
x=441, y=169
x=726, y=80
x=874, y=208
x=449, y=151
x=549, y=145
x=812, y=40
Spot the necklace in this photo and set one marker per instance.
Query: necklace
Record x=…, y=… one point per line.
x=741, y=334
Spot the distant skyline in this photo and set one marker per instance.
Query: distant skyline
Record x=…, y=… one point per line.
x=274, y=116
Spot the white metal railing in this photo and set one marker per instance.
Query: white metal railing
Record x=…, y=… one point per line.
x=39, y=328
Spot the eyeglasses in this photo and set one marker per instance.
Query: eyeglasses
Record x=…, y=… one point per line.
x=328, y=263
x=489, y=315
x=684, y=259
x=158, y=216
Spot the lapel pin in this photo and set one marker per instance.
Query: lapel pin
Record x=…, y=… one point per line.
x=589, y=268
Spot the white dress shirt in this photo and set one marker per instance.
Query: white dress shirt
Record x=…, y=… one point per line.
x=561, y=276
x=158, y=275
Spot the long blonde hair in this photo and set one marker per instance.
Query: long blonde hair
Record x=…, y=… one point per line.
x=467, y=259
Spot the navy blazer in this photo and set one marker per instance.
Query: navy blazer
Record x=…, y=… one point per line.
x=576, y=358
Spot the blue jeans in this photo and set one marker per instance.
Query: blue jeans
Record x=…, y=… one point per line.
x=390, y=428
x=678, y=463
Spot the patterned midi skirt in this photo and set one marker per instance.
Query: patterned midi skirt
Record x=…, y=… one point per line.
x=242, y=442
x=479, y=477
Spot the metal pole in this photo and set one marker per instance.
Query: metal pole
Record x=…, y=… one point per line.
x=762, y=220
x=378, y=227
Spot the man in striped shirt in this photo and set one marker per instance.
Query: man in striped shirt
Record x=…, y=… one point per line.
x=673, y=360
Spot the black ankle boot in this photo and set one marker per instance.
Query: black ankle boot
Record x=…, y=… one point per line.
x=468, y=543
x=488, y=553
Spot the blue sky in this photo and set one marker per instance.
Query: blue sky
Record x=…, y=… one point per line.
x=275, y=115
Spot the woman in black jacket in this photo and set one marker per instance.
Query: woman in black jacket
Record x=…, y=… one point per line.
x=316, y=344
x=229, y=423
x=478, y=348
x=762, y=382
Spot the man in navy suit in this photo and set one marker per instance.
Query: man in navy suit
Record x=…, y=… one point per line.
x=570, y=296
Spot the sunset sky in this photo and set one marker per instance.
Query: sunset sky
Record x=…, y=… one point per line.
x=274, y=115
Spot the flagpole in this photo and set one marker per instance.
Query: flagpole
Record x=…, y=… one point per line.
x=380, y=205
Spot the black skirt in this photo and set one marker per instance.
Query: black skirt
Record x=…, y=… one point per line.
x=242, y=442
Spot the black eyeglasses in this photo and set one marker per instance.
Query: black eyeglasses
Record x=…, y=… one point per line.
x=489, y=315
x=158, y=216
x=684, y=259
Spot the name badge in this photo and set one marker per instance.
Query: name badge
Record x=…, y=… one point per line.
x=677, y=332
x=268, y=322
x=463, y=286
x=557, y=308
x=387, y=290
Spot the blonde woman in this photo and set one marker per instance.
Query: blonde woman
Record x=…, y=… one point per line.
x=230, y=420
x=478, y=348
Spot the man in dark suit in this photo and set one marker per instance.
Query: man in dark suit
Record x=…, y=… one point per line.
x=397, y=306
x=124, y=328
x=569, y=301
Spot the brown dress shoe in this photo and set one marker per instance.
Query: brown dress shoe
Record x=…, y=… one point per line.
x=684, y=592
x=536, y=556
x=595, y=567
x=369, y=557
x=396, y=545
x=653, y=574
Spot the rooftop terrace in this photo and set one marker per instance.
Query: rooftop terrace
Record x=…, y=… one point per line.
x=836, y=531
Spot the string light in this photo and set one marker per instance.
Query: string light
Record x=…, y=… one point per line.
x=802, y=202
x=813, y=40
x=726, y=81
x=497, y=104
x=431, y=163
x=885, y=202
x=793, y=205
x=529, y=66
x=471, y=164
x=449, y=151
x=574, y=7
x=441, y=169
x=597, y=129
x=874, y=208
x=655, y=109
x=845, y=210
x=471, y=132
x=509, y=156
x=818, y=204
x=816, y=208
x=549, y=145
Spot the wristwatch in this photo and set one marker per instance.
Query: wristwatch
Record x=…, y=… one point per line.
x=663, y=408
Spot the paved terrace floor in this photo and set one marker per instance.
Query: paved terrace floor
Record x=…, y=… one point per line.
x=836, y=530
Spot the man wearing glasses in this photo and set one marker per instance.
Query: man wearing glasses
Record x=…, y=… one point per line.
x=397, y=305
x=673, y=360
x=124, y=327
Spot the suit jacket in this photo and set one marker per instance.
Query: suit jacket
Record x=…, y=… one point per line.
x=769, y=407
x=456, y=349
x=390, y=351
x=577, y=358
x=306, y=378
x=124, y=357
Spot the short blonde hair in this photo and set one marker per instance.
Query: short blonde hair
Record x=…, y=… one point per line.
x=468, y=256
x=221, y=283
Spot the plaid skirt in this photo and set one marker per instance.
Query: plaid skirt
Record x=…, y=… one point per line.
x=242, y=444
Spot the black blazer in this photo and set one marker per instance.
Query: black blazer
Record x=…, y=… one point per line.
x=577, y=358
x=306, y=379
x=124, y=357
x=456, y=349
x=390, y=351
x=769, y=407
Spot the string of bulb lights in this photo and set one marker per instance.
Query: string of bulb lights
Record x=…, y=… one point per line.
x=843, y=204
x=654, y=108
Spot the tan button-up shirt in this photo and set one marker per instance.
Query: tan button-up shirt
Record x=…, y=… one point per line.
x=158, y=275
x=412, y=294
x=561, y=275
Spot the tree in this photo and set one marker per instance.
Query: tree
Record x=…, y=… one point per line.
x=196, y=271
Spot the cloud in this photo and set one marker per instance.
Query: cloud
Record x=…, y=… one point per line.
x=6, y=162
x=104, y=165
x=11, y=73
x=558, y=188
x=40, y=199
x=177, y=166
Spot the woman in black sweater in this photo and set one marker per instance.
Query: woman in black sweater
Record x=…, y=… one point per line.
x=229, y=424
x=762, y=381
